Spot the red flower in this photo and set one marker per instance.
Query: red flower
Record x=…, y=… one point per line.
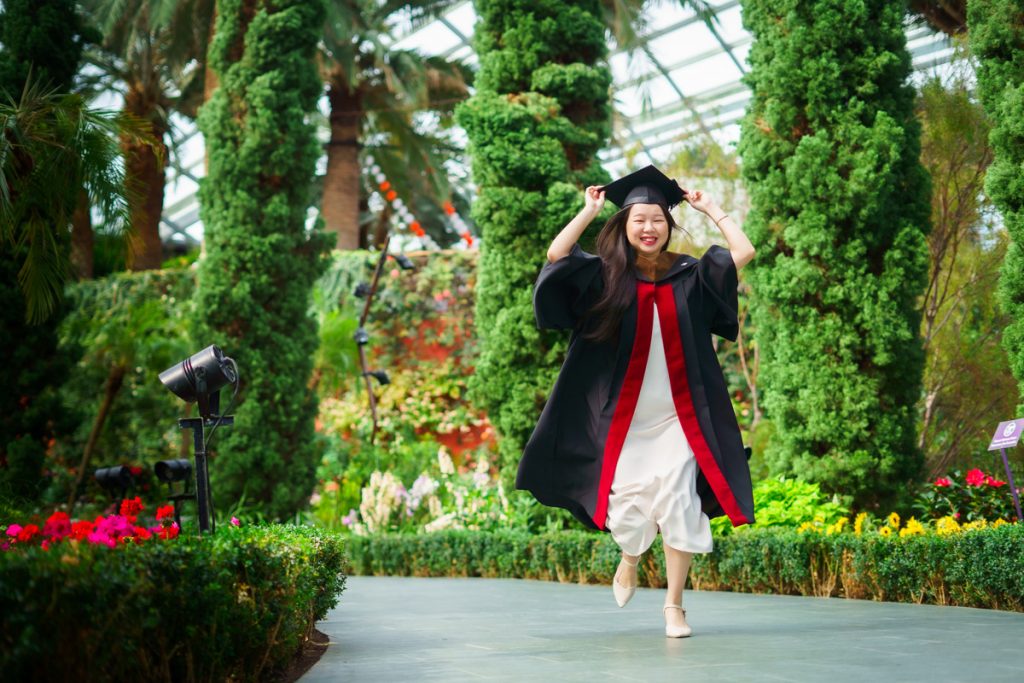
x=27, y=533
x=975, y=477
x=165, y=511
x=130, y=508
x=942, y=481
x=990, y=481
x=81, y=530
x=135, y=470
x=168, y=532
x=142, y=534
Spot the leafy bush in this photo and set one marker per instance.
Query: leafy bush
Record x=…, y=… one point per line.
x=235, y=605
x=786, y=502
x=980, y=567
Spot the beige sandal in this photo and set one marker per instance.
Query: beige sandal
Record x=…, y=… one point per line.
x=677, y=631
x=623, y=594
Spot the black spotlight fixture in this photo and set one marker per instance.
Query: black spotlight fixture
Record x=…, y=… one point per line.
x=380, y=375
x=199, y=378
x=117, y=478
x=170, y=472
x=404, y=262
x=362, y=290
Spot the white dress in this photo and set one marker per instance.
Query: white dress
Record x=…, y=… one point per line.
x=655, y=482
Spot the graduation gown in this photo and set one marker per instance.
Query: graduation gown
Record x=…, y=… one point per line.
x=570, y=459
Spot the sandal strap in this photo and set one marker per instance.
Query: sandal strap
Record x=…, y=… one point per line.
x=678, y=607
x=631, y=564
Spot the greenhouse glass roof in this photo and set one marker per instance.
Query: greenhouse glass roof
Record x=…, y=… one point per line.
x=681, y=81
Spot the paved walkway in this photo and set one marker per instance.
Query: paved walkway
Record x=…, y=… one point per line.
x=441, y=629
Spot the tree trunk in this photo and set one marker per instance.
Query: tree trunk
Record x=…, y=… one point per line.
x=114, y=382
x=144, y=173
x=82, y=238
x=339, y=205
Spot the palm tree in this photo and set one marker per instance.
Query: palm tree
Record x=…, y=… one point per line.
x=373, y=92
x=154, y=54
x=52, y=146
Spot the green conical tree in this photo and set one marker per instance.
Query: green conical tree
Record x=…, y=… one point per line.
x=840, y=206
x=255, y=282
x=540, y=114
x=997, y=41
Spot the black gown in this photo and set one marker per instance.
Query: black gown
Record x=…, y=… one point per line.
x=570, y=459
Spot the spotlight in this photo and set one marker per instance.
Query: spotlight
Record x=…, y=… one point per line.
x=403, y=262
x=199, y=376
x=361, y=336
x=117, y=478
x=362, y=290
x=168, y=471
x=380, y=375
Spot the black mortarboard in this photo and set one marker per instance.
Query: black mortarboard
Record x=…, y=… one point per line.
x=646, y=186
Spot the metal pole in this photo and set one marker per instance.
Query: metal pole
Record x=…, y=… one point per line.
x=1013, y=486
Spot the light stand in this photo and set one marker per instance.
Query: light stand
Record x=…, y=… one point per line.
x=199, y=378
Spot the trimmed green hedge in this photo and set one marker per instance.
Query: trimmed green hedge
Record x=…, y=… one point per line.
x=237, y=605
x=979, y=568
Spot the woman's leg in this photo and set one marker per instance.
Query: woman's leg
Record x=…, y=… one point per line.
x=677, y=566
x=625, y=575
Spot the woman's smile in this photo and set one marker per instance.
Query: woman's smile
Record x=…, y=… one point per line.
x=647, y=228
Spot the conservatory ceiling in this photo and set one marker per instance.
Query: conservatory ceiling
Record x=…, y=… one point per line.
x=682, y=81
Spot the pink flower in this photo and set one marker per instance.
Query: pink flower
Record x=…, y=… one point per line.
x=57, y=526
x=942, y=481
x=235, y=522
x=975, y=477
x=13, y=530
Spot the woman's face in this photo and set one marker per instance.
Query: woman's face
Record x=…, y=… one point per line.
x=647, y=229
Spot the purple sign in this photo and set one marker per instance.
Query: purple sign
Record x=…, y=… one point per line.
x=1007, y=434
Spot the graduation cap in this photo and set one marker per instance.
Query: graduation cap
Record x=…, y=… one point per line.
x=646, y=186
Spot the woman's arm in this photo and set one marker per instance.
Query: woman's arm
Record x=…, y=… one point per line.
x=739, y=245
x=570, y=235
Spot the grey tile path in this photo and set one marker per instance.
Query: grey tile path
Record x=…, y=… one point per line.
x=441, y=629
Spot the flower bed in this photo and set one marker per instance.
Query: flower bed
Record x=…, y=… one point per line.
x=977, y=567
x=235, y=605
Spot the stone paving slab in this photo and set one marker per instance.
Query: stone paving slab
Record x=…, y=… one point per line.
x=471, y=629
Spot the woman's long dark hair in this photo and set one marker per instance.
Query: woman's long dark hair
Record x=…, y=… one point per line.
x=617, y=259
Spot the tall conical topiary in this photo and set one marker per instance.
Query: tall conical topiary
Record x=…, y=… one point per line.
x=255, y=282
x=839, y=217
x=997, y=41
x=540, y=114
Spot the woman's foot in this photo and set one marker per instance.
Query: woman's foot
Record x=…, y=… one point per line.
x=675, y=622
x=624, y=581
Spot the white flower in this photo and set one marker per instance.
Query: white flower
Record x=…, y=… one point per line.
x=444, y=461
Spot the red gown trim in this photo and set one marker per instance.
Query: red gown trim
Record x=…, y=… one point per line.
x=628, y=396
x=685, y=410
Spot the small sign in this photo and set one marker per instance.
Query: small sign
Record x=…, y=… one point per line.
x=1007, y=434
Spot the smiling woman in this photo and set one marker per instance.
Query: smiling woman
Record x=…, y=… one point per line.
x=638, y=435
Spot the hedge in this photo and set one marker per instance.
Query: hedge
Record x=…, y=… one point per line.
x=237, y=605
x=978, y=568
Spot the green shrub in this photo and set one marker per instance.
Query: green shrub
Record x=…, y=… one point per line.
x=256, y=280
x=235, y=605
x=977, y=568
x=839, y=216
x=781, y=501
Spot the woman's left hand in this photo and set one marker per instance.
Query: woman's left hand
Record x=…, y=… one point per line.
x=699, y=200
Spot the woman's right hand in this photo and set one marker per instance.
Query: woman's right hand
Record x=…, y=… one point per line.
x=594, y=198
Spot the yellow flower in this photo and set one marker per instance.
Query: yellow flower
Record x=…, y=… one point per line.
x=946, y=525
x=806, y=526
x=858, y=524
x=999, y=522
x=885, y=531
x=976, y=524
x=913, y=528
x=894, y=520
x=837, y=527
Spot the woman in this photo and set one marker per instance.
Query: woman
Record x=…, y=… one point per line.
x=638, y=434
